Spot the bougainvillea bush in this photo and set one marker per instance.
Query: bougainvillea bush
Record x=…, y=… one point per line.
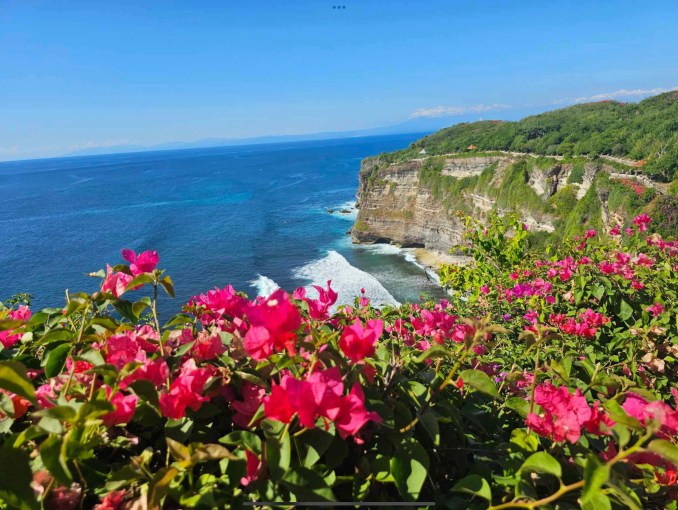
x=543, y=382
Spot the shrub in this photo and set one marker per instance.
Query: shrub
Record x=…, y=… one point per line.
x=539, y=382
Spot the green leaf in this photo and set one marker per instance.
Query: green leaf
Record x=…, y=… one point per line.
x=312, y=444
x=179, y=452
x=13, y=378
x=307, y=485
x=597, y=501
x=664, y=449
x=596, y=474
x=54, y=460
x=168, y=285
x=15, y=479
x=55, y=360
x=618, y=414
x=524, y=441
x=430, y=423
x=160, y=485
x=542, y=462
x=211, y=451
x=625, y=310
x=475, y=485
x=142, y=279
x=92, y=356
x=519, y=405
x=409, y=466
x=278, y=455
x=480, y=381
x=245, y=439
x=126, y=309
x=436, y=351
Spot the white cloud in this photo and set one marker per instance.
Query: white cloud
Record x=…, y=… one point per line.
x=453, y=111
x=621, y=93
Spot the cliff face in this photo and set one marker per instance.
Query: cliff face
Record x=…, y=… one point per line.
x=393, y=207
x=413, y=203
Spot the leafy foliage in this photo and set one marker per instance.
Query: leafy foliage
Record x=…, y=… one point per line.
x=540, y=382
x=642, y=131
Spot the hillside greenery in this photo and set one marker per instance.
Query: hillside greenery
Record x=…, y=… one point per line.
x=647, y=130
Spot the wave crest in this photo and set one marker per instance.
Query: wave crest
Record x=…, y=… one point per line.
x=347, y=280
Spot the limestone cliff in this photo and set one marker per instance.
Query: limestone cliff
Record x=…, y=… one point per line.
x=413, y=203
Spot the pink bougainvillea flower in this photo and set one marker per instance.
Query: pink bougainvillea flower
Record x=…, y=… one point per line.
x=123, y=411
x=599, y=423
x=155, y=371
x=208, y=346
x=246, y=408
x=112, y=501
x=658, y=411
x=185, y=391
x=655, y=309
x=274, y=323
x=145, y=262
x=564, y=414
x=642, y=221
x=318, y=309
x=277, y=405
x=352, y=415
x=358, y=342
x=115, y=283
x=616, y=230
x=7, y=337
x=320, y=395
x=255, y=468
x=217, y=303
x=19, y=403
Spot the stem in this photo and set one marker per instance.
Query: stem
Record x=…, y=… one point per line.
x=155, y=315
x=432, y=392
x=77, y=343
x=534, y=379
x=564, y=489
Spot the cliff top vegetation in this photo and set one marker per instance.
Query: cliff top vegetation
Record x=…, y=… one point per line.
x=646, y=131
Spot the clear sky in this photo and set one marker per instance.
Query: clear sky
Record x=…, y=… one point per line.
x=78, y=74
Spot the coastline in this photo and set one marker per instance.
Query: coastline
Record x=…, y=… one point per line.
x=433, y=259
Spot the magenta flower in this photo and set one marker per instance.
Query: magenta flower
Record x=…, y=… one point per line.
x=274, y=322
x=145, y=262
x=642, y=221
x=358, y=342
x=655, y=309
x=246, y=408
x=123, y=411
x=564, y=414
x=185, y=391
x=115, y=283
x=7, y=339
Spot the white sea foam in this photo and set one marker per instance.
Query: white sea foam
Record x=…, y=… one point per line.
x=265, y=286
x=347, y=280
x=346, y=206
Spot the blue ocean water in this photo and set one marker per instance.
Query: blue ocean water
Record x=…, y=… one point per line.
x=253, y=216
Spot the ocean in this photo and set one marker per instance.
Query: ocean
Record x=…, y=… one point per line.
x=253, y=216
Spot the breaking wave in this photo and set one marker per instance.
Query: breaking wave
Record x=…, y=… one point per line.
x=347, y=280
x=264, y=285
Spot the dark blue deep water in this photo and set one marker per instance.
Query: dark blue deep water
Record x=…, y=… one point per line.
x=254, y=216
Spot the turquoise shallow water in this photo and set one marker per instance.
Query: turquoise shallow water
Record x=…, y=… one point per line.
x=252, y=216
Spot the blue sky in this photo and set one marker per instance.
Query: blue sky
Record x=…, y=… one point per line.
x=93, y=74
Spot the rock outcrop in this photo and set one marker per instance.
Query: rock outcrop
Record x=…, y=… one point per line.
x=395, y=208
x=399, y=206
